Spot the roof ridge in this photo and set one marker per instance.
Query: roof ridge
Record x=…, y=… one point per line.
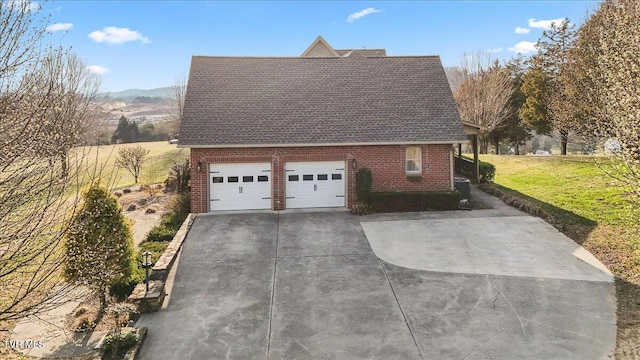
x=311, y=58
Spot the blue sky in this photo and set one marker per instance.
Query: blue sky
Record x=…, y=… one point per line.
x=148, y=44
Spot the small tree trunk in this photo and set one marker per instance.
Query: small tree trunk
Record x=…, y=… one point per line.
x=564, y=138
x=497, y=145
x=64, y=166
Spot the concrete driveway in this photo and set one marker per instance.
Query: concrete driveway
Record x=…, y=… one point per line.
x=309, y=286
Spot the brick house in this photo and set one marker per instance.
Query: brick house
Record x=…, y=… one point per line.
x=291, y=132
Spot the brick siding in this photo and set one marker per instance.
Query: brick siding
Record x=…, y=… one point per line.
x=387, y=164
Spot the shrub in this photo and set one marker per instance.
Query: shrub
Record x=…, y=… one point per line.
x=122, y=288
x=126, y=191
x=180, y=204
x=120, y=314
x=487, y=172
x=414, y=201
x=116, y=344
x=364, y=180
x=150, y=211
x=131, y=207
x=161, y=233
x=99, y=245
x=155, y=248
x=361, y=209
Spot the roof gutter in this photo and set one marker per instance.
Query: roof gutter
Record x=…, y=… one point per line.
x=447, y=142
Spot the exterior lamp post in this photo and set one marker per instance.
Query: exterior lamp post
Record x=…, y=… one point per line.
x=146, y=264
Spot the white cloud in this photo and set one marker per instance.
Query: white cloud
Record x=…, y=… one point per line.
x=520, y=30
x=97, y=69
x=60, y=27
x=362, y=13
x=496, y=50
x=523, y=47
x=22, y=5
x=116, y=35
x=544, y=24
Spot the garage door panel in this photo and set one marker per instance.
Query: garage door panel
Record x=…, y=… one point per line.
x=240, y=186
x=315, y=184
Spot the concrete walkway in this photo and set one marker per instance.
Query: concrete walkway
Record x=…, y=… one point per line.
x=513, y=246
x=51, y=331
x=495, y=284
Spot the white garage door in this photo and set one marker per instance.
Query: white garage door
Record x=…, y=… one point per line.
x=315, y=184
x=239, y=186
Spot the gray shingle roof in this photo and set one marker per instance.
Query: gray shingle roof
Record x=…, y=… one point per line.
x=234, y=101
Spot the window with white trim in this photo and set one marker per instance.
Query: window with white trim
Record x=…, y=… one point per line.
x=413, y=160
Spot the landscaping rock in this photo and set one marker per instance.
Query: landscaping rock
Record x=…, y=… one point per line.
x=126, y=191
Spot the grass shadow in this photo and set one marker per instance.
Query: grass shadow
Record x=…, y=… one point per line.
x=575, y=226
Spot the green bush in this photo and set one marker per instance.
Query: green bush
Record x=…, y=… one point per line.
x=487, y=172
x=123, y=287
x=180, y=204
x=115, y=345
x=414, y=201
x=156, y=249
x=364, y=180
x=161, y=233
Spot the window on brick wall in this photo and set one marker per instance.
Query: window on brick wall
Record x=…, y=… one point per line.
x=413, y=159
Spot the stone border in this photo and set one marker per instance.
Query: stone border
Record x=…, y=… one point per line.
x=165, y=262
x=152, y=300
x=142, y=335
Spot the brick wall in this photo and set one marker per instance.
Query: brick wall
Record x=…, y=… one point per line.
x=387, y=164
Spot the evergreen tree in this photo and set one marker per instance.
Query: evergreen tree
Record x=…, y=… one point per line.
x=99, y=243
x=557, y=101
x=126, y=132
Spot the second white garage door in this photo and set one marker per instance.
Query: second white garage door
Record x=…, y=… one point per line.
x=315, y=184
x=239, y=186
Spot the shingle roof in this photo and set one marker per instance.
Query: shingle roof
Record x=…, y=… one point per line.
x=235, y=101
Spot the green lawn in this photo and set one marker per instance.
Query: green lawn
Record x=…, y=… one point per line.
x=154, y=170
x=572, y=183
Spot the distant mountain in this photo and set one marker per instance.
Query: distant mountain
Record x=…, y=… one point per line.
x=130, y=94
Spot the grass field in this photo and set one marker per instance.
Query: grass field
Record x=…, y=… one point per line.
x=592, y=209
x=154, y=170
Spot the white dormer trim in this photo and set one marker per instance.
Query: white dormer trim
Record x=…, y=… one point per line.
x=319, y=42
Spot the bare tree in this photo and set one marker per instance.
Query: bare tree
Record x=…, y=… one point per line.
x=455, y=76
x=484, y=94
x=177, y=96
x=75, y=110
x=131, y=159
x=36, y=201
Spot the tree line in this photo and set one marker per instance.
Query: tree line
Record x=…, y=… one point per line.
x=129, y=131
x=582, y=82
